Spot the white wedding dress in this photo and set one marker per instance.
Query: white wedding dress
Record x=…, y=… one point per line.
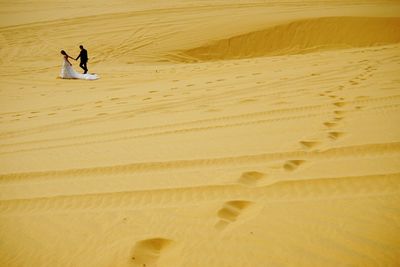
x=67, y=72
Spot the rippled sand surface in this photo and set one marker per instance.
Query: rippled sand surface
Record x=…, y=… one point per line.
x=221, y=133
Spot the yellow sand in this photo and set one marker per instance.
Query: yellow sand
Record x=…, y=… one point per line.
x=221, y=133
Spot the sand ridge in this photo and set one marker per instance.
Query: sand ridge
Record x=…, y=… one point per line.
x=247, y=133
x=302, y=36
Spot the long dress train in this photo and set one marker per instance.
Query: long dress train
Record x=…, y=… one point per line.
x=67, y=72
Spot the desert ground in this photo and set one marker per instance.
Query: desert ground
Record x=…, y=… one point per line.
x=221, y=134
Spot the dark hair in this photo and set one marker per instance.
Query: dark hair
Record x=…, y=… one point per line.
x=81, y=46
x=63, y=52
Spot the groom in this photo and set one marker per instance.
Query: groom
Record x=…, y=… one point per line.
x=84, y=59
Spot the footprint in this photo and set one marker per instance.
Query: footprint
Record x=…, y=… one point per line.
x=339, y=112
x=280, y=103
x=338, y=118
x=309, y=144
x=352, y=82
x=213, y=110
x=292, y=165
x=189, y=85
x=340, y=104
x=148, y=98
x=335, y=135
x=152, y=92
x=251, y=178
x=230, y=212
x=330, y=124
x=149, y=252
x=248, y=100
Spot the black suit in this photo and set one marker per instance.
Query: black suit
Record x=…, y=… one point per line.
x=83, y=55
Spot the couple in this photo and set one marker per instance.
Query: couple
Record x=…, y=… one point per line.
x=67, y=72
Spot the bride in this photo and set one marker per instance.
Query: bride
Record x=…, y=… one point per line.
x=67, y=72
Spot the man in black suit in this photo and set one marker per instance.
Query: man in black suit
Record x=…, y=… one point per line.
x=84, y=59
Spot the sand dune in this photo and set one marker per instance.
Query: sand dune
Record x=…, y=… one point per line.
x=240, y=133
x=302, y=36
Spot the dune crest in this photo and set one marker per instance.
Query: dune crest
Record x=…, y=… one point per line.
x=301, y=36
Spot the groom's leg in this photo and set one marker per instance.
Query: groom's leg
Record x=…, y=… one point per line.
x=85, y=67
x=82, y=65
